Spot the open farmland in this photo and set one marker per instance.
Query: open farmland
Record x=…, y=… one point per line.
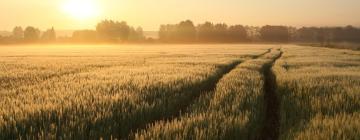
x=319, y=91
x=178, y=92
x=234, y=110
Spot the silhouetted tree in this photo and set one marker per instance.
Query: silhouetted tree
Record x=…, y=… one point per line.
x=163, y=33
x=220, y=31
x=307, y=34
x=186, y=31
x=206, y=32
x=167, y=33
x=109, y=30
x=31, y=34
x=292, y=33
x=346, y=34
x=18, y=33
x=253, y=33
x=326, y=35
x=321, y=35
x=275, y=33
x=237, y=33
x=49, y=35
x=136, y=35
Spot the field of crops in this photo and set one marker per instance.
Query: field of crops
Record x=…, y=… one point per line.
x=178, y=92
x=319, y=91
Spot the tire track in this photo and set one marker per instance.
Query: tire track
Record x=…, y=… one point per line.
x=272, y=105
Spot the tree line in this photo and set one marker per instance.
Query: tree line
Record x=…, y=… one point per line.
x=29, y=35
x=106, y=31
x=187, y=32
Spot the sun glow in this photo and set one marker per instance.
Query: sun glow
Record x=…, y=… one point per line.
x=81, y=9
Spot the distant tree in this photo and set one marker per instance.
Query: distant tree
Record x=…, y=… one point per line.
x=205, y=32
x=326, y=35
x=253, y=33
x=31, y=34
x=339, y=34
x=18, y=33
x=208, y=32
x=320, y=36
x=186, y=31
x=221, y=32
x=109, y=30
x=275, y=33
x=49, y=35
x=350, y=34
x=167, y=33
x=292, y=33
x=140, y=31
x=124, y=30
x=163, y=33
x=85, y=36
x=307, y=34
x=136, y=34
x=237, y=33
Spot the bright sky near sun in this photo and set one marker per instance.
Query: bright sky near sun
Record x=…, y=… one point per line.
x=84, y=14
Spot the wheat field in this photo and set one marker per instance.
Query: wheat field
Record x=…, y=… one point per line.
x=178, y=92
x=320, y=93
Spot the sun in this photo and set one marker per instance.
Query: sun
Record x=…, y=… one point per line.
x=81, y=9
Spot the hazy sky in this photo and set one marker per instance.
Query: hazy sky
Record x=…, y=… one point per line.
x=151, y=13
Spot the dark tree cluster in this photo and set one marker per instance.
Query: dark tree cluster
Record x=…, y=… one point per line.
x=186, y=31
x=321, y=35
x=275, y=33
x=327, y=34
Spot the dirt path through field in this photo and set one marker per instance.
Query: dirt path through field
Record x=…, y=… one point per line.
x=272, y=116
